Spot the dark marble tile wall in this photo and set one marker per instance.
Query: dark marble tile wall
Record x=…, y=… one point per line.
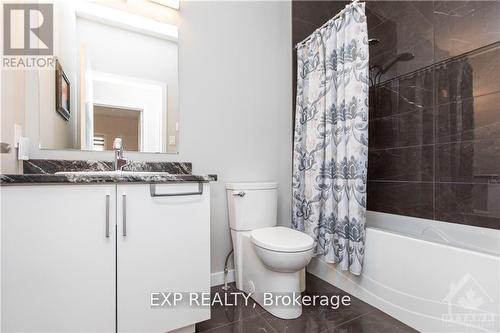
x=432, y=30
x=435, y=141
x=434, y=145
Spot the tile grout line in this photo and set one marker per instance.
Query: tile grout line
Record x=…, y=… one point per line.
x=429, y=182
x=348, y=321
x=441, y=143
x=267, y=322
x=231, y=323
x=438, y=144
x=435, y=104
x=406, y=113
x=400, y=181
x=402, y=147
x=435, y=112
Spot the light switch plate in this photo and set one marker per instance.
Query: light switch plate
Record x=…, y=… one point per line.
x=171, y=139
x=18, y=133
x=23, y=151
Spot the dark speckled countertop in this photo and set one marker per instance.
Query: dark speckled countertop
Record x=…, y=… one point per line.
x=44, y=172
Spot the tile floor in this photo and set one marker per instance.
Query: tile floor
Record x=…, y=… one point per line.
x=358, y=317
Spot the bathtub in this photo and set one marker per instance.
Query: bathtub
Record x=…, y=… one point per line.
x=433, y=276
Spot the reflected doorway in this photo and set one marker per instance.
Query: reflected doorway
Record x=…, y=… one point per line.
x=112, y=122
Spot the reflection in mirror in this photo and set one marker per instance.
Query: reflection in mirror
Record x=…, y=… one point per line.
x=123, y=81
x=111, y=123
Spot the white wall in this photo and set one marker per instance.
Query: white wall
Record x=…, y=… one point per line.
x=59, y=133
x=235, y=77
x=30, y=93
x=12, y=112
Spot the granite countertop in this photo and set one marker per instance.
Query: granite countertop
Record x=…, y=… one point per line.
x=44, y=172
x=78, y=179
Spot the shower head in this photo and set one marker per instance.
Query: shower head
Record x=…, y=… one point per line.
x=407, y=56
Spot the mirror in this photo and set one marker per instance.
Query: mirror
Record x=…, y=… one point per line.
x=116, y=75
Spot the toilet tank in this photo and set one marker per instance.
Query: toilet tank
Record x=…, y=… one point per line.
x=252, y=205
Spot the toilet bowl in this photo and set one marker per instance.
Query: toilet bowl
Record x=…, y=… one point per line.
x=282, y=249
x=269, y=259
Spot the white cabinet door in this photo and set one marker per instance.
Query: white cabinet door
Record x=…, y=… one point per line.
x=163, y=245
x=58, y=265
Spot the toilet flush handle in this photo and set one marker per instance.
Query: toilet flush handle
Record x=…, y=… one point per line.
x=240, y=194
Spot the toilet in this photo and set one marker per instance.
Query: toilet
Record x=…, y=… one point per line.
x=269, y=260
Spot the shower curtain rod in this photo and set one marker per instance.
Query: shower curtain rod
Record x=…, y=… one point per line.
x=333, y=18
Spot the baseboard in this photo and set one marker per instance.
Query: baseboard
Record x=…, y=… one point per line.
x=217, y=278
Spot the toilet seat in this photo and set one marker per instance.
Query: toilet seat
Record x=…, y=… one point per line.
x=281, y=239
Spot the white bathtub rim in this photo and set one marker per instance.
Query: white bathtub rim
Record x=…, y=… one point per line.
x=436, y=243
x=463, y=237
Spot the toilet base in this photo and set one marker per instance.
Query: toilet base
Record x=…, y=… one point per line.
x=279, y=304
x=264, y=285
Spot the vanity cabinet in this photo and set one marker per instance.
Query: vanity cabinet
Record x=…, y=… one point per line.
x=87, y=257
x=58, y=271
x=163, y=246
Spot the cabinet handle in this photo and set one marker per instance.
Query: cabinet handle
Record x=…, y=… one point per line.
x=124, y=214
x=107, y=215
x=152, y=190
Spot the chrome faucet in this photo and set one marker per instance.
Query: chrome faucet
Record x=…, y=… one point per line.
x=120, y=162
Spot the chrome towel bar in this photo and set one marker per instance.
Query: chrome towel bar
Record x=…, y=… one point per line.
x=152, y=191
x=108, y=211
x=124, y=215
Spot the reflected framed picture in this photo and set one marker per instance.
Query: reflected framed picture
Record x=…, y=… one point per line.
x=63, y=101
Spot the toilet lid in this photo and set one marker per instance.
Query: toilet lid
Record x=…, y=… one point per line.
x=282, y=239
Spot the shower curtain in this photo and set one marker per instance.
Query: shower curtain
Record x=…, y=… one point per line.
x=331, y=139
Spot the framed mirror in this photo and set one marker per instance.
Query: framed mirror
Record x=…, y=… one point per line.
x=116, y=76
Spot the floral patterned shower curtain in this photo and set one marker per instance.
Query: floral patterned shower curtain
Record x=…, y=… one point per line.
x=331, y=139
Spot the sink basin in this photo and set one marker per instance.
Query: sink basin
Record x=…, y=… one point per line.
x=110, y=173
